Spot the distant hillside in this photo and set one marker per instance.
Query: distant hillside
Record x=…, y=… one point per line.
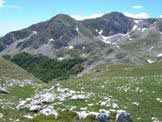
x=47, y=69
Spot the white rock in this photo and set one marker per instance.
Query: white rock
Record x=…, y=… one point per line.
x=64, y=93
x=105, y=39
x=94, y=113
x=143, y=29
x=45, y=97
x=57, y=85
x=103, y=117
x=102, y=86
x=72, y=108
x=91, y=104
x=155, y=119
x=21, y=104
x=104, y=111
x=71, y=47
x=121, y=116
x=150, y=61
x=77, y=29
x=82, y=114
x=49, y=111
x=100, y=32
x=105, y=103
x=72, y=91
x=135, y=103
x=59, y=98
x=28, y=116
x=159, y=99
x=117, y=46
x=114, y=105
x=49, y=98
x=28, y=99
x=80, y=97
x=17, y=120
x=159, y=55
x=151, y=48
x=82, y=88
x=83, y=109
x=3, y=90
x=10, y=119
x=51, y=40
x=34, y=32
x=1, y=115
x=130, y=39
x=61, y=58
x=21, y=85
x=135, y=27
x=153, y=91
x=35, y=102
x=34, y=107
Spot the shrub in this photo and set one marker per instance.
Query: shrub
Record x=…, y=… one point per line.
x=45, y=68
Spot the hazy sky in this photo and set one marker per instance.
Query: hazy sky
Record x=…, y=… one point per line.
x=17, y=14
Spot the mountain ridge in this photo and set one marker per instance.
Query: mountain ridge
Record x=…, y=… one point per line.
x=34, y=27
x=105, y=39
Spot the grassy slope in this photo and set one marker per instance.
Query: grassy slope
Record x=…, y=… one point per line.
x=10, y=71
x=116, y=79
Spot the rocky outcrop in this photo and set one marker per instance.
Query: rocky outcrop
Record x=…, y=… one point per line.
x=3, y=90
x=41, y=102
x=123, y=116
x=44, y=103
x=110, y=24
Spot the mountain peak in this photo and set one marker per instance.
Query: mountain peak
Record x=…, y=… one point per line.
x=114, y=14
x=62, y=16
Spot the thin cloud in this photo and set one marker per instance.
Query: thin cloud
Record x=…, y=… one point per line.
x=2, y=3
x=13, y=6
x=137, y=7
x=5, y=5
x=160, y=16
x=142, y=15
x=79, y=17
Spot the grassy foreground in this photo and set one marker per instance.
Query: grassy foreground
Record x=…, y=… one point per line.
x=127, y=85
x=134, y=89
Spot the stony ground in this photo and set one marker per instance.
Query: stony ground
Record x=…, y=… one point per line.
x=112, y=93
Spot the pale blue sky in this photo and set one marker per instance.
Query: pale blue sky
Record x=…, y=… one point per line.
x=17, y=14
